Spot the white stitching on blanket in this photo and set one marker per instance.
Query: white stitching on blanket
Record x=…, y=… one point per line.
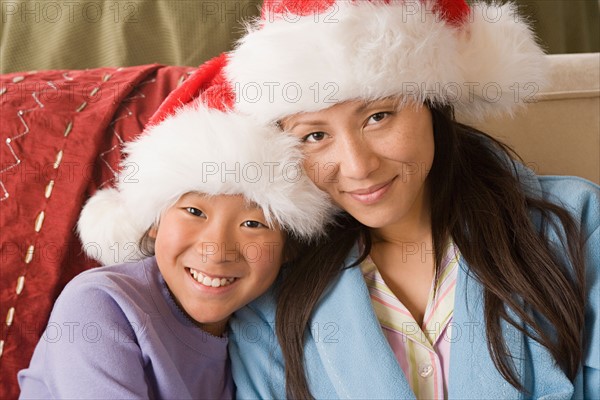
x=121, y=141
x=39, y=221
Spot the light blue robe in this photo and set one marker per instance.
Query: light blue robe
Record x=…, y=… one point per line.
x=348, y=357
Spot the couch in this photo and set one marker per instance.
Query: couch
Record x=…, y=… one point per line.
x=559, y=132
x=62, y=133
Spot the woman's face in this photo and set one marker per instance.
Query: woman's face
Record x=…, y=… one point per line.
x=371, y=157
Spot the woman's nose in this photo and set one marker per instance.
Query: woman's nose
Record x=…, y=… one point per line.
x=356, y=158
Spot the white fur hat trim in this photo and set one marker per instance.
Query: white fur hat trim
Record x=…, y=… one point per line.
x=489, y=64
x=208, y=151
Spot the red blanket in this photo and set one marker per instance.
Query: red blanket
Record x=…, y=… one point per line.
x=62, y=133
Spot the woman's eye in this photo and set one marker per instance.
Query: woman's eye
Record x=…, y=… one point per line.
x=194, y=211
x=314, y=137
x=253, y=224
x=377, y=117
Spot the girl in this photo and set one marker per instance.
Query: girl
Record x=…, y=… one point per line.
x=454, y=272
x=209, y=199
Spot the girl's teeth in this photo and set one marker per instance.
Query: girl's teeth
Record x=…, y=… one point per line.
x=210, y=282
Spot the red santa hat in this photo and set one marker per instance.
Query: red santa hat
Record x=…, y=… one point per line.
x=196, y=143
x=306, y=55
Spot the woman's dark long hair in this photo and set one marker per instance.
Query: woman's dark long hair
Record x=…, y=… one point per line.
x=481, y=205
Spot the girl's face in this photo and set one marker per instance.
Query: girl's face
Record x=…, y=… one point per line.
x=372, y=158
x=216, y=254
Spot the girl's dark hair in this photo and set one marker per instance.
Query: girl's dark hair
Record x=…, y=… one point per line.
x=146, y=244
x=479, y=203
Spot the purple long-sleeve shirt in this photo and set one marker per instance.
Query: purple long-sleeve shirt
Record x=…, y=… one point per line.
x=115, y=332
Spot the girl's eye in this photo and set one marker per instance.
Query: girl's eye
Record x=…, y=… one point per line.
x=194, y=211
x=253, y=224
x=314, y=137
x=377, y=117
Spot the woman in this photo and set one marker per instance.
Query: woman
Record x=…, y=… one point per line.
x=453, y=271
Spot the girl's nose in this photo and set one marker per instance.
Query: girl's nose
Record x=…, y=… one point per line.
x=217, y=243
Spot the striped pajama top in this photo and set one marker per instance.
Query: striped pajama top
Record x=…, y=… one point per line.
x=423, y=352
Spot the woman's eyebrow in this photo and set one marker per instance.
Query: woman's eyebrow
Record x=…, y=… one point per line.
x=358, y=108
x=375, y=103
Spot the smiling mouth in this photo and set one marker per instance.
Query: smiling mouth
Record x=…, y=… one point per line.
x=210, y=281
x=372, y=194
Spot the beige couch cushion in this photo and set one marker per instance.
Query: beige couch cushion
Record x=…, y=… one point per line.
x=559, y=134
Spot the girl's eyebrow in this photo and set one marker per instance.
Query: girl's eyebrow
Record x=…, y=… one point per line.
x=193, y=194
x=251, y=205
x=315, y=122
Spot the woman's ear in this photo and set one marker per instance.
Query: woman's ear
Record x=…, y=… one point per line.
x=152, y=232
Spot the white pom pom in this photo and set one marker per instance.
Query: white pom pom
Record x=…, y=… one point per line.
x=106, y=229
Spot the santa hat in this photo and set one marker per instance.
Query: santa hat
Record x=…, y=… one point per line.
x=196, y=143
x=306, y=55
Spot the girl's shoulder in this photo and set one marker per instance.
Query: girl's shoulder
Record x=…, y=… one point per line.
x=117, y=274
x=118, y=289
x=110, y=278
